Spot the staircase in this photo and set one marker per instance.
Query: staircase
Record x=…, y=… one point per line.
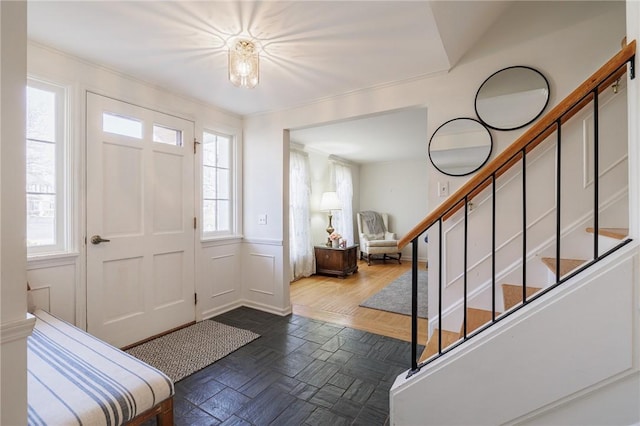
x=553, y=242
x=545, y=324
x=512, y=297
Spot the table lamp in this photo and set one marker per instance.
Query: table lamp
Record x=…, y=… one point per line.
x=329, y=202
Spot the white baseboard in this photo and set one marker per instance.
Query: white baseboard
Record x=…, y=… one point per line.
x=267, y=308
x=246, y=303
x=221, y=309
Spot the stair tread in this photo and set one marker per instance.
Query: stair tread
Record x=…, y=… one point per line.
x=448, y=337
x=476, y=318
x=617, y=233
x=566, y=265
x=512, y=294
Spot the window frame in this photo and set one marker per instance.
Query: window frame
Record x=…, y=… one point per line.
x=233, y=169
x=62, y=170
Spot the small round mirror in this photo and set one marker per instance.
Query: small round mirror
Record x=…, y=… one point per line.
x=512, y=98
x=460, y=146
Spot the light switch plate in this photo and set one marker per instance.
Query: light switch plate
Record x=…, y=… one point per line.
x=443, y=189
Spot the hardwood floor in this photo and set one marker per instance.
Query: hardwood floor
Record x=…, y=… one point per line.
x=336, y=300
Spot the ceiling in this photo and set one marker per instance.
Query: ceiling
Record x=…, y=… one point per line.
x=309, y=50
x=393, y=136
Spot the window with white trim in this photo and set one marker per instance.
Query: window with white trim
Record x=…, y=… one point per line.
x=45, y=156
x=218, y=177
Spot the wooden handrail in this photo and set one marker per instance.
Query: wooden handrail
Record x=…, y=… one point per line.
x=537, y=133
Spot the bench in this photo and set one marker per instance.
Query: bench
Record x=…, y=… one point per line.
x=75, y=378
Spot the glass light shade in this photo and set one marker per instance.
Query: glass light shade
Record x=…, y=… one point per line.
x=244, y=64
x=330, y=201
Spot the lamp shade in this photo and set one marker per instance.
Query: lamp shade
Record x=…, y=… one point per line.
x=330, y=201
x=244, y=64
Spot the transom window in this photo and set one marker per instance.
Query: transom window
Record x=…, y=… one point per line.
x=121, y=125
x=45, y=156
x=217, y=184
x=167, y=135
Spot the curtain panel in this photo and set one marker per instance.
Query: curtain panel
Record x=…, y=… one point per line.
x=343, y=219
x=301, y=257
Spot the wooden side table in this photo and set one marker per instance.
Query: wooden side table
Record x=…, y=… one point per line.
x=336, y=261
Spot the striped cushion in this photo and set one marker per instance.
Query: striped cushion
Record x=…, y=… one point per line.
x=77, y=379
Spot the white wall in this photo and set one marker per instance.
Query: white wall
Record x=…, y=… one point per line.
x=400, y=189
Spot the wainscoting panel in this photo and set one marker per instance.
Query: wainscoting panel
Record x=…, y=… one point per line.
x=263, y=279
x=262, y=269
x=218, y=285
x=41, y=297
x=54, y=289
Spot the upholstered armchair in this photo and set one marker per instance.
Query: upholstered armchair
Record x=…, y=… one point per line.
x=375, y=238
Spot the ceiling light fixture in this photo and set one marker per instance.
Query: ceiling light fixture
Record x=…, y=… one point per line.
x=244, y=64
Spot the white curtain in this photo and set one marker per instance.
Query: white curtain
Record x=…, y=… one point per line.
x=300, y=244
x=343, y=219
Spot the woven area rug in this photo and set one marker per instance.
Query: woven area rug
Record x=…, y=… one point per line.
x=192, y=348
x=396, y=297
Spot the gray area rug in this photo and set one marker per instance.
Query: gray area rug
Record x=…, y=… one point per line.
x=192, y=348
x=396, y=297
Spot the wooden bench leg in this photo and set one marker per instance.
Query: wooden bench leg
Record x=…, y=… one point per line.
x=165, y=416
x=163, y=412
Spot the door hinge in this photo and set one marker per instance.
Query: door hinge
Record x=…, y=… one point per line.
x=195, y=223
x=195, y=298
x=195, y=144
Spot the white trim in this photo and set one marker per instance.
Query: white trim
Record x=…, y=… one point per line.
x=298, y=147
x=267, y=308
x=255, y=290
x=339, y=160
x=221, y=241
x=264, y=241
x=246, y=304
x=222, y=293
x=17, y=330
x=52, y=260
x=218, y=310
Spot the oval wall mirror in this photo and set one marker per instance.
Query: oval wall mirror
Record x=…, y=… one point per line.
x=460, y=146
x=512, y=98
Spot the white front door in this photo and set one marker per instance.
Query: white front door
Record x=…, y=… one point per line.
x=140, y=189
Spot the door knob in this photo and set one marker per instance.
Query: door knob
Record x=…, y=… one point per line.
x=97, y=239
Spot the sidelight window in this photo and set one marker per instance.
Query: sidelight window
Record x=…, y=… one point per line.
x=45, y=166
x=217, y=184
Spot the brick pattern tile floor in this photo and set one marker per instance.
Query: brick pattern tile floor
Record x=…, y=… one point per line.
x=299, y=372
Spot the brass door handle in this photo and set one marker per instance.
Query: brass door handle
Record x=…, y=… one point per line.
x=97, y=239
